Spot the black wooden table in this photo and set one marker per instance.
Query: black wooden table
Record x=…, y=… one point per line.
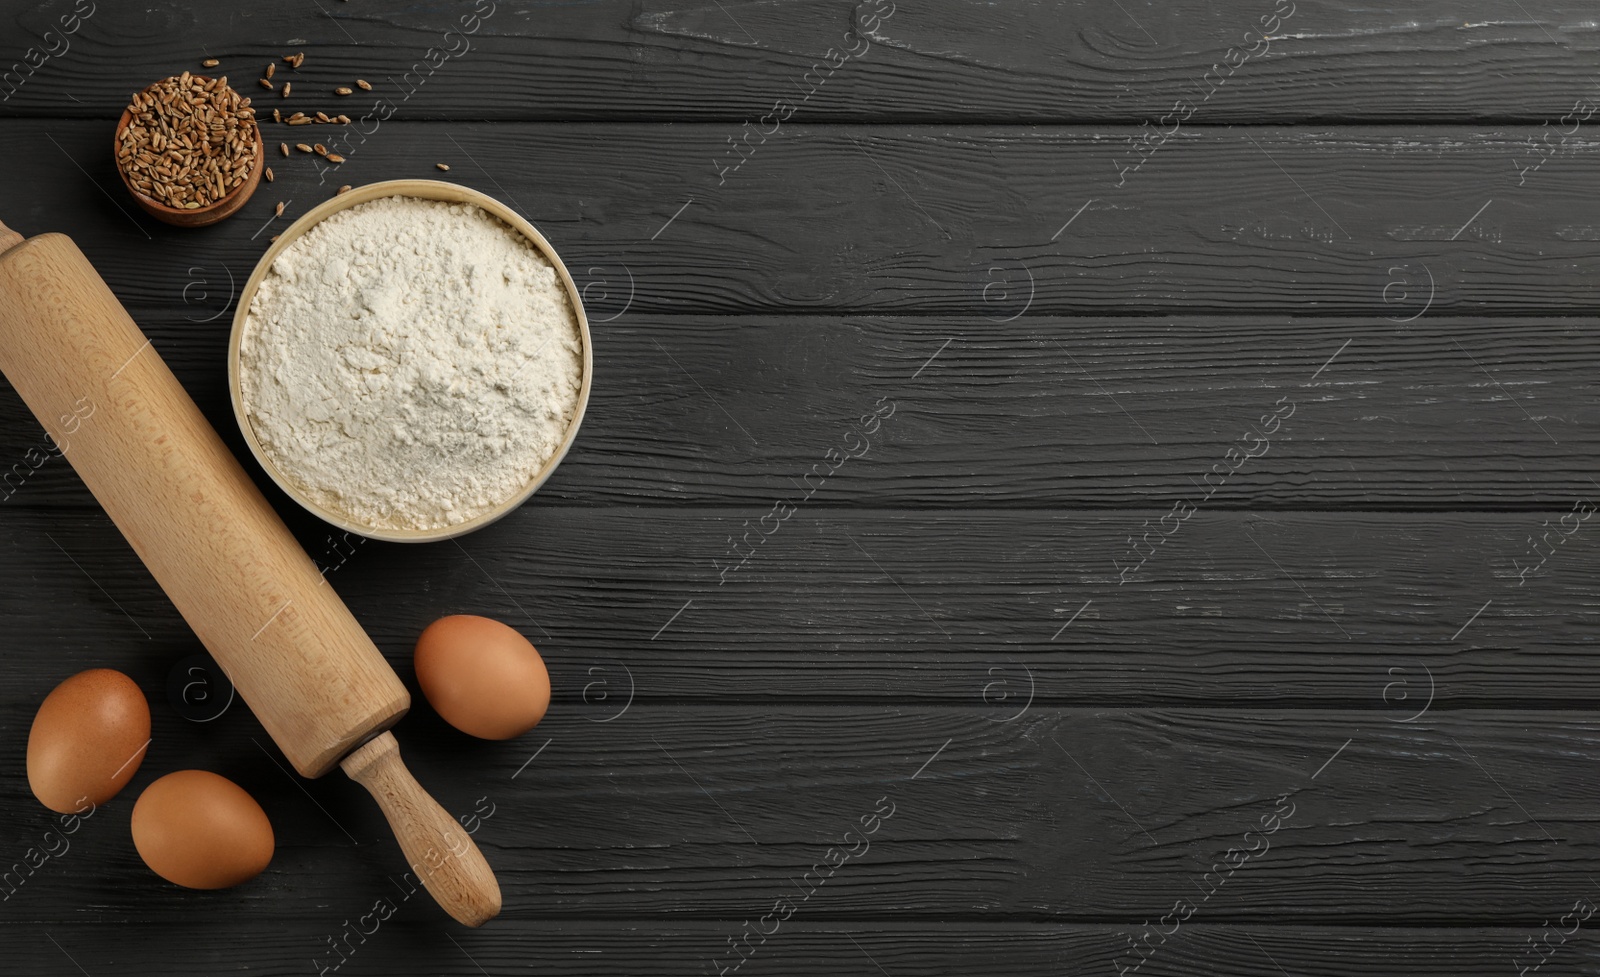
x=1069, y=488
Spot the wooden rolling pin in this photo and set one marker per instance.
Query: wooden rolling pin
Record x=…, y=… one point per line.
x=283, y=637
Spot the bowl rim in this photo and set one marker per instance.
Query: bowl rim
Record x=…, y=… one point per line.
x=248, y=187
x=428, y=190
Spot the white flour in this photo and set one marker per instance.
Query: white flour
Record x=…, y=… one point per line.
x=410, y=363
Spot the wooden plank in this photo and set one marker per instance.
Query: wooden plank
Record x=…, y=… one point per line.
x=1062, y=815
x=939, y=61
x=604, y=948
x=924, y=221
x=982, y=607
x=1042, y=411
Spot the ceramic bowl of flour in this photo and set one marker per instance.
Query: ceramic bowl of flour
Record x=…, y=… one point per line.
x=410, y=360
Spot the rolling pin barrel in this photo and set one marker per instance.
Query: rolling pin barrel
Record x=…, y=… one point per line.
x=231, y=567
x=291, y=648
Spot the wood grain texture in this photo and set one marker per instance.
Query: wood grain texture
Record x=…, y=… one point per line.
x=1354, y=220
x=939, y=220
x=1044, y=412
x=971, y=607
x=603, y=948
x=940, y=61
x=1059, y=816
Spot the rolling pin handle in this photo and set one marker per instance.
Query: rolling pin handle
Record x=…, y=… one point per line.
x=441, y=852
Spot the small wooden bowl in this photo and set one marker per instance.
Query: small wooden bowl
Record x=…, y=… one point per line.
x=200, y=216
x=428, y=190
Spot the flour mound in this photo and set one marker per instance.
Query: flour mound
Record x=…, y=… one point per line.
x=410, y=363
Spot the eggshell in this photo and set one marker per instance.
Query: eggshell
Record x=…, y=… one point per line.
x=483, y=677
x=201, y=830
x=87, y=740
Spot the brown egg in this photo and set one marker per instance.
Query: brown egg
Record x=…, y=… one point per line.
x=88, y=739
x=484, y=678
x=201, y=830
